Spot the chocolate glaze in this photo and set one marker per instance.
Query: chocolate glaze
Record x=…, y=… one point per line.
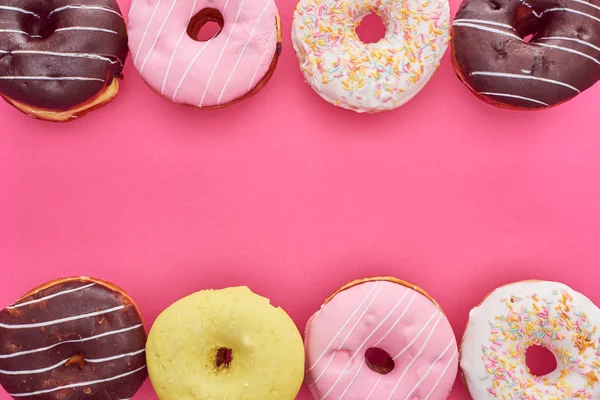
x=131, y=339
x=475, y=49
x=55, y=94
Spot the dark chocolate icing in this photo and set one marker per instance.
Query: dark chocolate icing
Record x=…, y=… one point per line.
x=111, y=342
x=43, y=23
x=561, y=59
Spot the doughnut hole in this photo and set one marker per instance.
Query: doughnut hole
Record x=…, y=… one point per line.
x=370, y=29
x=223, y=358
x=205, y=25
x=379, y=360
x=540, y=360
x=40, y=28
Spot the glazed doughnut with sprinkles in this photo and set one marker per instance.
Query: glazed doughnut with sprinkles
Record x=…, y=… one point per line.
x=370, y=77
x=532, y=313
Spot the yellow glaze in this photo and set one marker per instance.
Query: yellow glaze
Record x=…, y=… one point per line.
x=267, y=350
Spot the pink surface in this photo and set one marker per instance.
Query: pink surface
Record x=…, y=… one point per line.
x=295, y=197
x=413, y=331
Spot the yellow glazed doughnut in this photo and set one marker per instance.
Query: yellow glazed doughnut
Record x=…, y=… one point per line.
x=225, y=344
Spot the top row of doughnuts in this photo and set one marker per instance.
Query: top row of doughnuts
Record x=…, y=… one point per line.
x=60, y=59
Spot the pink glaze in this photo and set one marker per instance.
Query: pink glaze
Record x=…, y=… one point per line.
x=389, y=316
x=209, y=73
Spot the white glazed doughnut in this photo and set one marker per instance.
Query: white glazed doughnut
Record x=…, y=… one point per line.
x=532, y=313
x=370, y=77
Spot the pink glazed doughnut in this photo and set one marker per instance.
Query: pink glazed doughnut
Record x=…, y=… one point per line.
x=231, y=66
x=380, y=339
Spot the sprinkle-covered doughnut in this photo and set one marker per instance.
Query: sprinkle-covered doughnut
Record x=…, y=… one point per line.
x=380, y=315
x=72, y=339
x=59, y=59
x=532, y=313
x=232, y=66
x=376, y=76
x=561, y=60
x=225, y=344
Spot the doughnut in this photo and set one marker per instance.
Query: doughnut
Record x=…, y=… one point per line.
x=532, y=313
x=380, y=339
x=225, y=344
x=561, y=60
x=60, y=59
x=72, y=339
x=230, y=67
x=370, y=77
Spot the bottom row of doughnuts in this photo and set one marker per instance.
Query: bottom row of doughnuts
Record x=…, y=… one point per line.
x=373, y=339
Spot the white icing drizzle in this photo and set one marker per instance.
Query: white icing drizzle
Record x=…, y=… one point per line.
x=55, y=294
x=442, y=375
x=587, y=4
x=94, y=337
x=212, y=74
x=570, y=10
x=484, y=22
x=570, y=40
x=339, y=332
x=84, y=7
x=162, y=27
x=237, y=62
x=162, y=89
x=273, y=34
x=19, y=31
x=487, y=29
x=58, y=364
x=516, y=76
x=141, y=46
x=60, y=320
x=75, y=385
x=86, y=28
x=71, y=55
x=514, y=96
x=551, y=46
x=20, y=10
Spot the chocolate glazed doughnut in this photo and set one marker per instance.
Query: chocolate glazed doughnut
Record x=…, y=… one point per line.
x=72, y=339
x=59, y=59
x=561, y=60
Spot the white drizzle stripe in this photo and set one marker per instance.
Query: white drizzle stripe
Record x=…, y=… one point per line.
x=50, y=78
x=418, y=335
x=516, y=76
x=570, y=40
x=485, y=22
x=99, y=360
x=162, y=27
x=374, y=331
x=374, y=387
x=352, y=329
x=17, y=9
x=117, y=357
x=237, y=62
x=569, y=10
x=430, y=369
x=551, y=46
x=587, y=4
x=73, y=55
x=80, y=6
x=18, y=31
x=487, y=29
x=41, y=349
x=61, y=320
x=261, y=60
x=55, y=294
x=146, y=31
x=514, y=96
x=162, y=89
x=414, y=359
x=75, y=385
x=441, y=376
x=191, y=64
x=85, y=28
x=339, y=332
x=412, y=300
x=212, y=74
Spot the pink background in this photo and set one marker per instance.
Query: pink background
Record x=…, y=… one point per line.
x=294, y=197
